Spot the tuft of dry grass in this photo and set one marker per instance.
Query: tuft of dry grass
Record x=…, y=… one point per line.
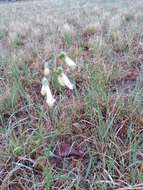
x=92, y=137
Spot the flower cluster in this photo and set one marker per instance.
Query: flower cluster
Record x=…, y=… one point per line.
x=62, y=78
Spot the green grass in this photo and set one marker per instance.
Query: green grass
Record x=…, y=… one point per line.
x=101, y=117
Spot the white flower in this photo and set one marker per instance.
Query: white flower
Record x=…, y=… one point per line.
x=50, y=99
x=44, y=84
x=45, y=91
x=68, y=60
x=64, y=81
x=46, y=70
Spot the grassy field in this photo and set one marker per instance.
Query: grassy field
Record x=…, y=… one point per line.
x=92, y=138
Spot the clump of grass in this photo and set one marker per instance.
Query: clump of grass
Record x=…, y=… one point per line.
x=102, y=117
x=92, y=28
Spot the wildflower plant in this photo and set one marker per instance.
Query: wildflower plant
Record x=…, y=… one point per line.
x=61, y=77
x=68, y=61
x=46, y=70
x=64, y=80
x=46, y=91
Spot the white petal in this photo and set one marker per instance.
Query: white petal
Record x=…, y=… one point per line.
x=46, y=71
x=50, y=99
x=70, y=62
x=50, y=102
x=64, y=81
x=44, y=85
x=43, y=90
x=60, y=80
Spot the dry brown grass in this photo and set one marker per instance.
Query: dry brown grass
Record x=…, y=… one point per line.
x=92, y=138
